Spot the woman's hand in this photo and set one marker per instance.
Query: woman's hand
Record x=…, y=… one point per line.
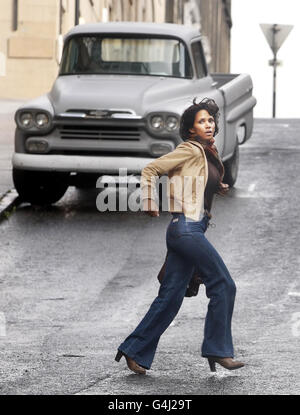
x=150, y=207
x=223, y=188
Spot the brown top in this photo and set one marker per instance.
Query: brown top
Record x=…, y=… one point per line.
x=212, y=185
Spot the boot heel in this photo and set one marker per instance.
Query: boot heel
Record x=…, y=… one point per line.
x=212, y=365
x=118, y=356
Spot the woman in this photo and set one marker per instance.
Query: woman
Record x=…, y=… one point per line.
x=196, y=166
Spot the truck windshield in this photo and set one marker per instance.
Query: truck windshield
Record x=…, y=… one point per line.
x=126, y=55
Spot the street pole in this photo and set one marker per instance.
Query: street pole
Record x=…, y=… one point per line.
x=275, y=29
x=274, y=85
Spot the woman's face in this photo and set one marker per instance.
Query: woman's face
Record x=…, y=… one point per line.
x=204, y=126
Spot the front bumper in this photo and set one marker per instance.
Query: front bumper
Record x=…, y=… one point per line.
x=83, y=164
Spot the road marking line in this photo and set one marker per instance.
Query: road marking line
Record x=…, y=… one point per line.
x=2, y=325
x=251, y=187
x=294, y=294
x=296, y=324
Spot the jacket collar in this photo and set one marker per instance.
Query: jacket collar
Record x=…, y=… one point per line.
x=196, y=143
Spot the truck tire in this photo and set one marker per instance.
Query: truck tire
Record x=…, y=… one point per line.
x=86, y=180
x=231, y=168
x=40, y=187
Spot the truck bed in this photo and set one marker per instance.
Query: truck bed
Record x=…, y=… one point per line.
x=223, y=78
x=239, y=102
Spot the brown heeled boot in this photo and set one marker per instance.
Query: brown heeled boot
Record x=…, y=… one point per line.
x=226, y=362
x=132, y=365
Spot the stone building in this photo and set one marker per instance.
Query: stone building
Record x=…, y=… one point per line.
x=215, y=26
x=31, y=33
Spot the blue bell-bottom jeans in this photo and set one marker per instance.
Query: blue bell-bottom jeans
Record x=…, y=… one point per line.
x=187, y=248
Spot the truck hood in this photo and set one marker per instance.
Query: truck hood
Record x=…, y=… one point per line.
x=142, y=94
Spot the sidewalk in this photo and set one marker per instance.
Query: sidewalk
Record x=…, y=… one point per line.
x=9, y=106
x=7, y=128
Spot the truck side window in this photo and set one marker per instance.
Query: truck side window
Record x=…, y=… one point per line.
x=198, y=56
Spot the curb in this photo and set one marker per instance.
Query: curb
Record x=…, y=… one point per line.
x=8, y=201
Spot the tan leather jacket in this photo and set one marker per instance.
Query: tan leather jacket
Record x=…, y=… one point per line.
x=187, y=172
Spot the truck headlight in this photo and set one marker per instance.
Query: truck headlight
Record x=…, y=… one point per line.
x=163, y=123
x=26, y=120
x=41, y=120
x=157, y=122
x=171, y=123
x=33, y=119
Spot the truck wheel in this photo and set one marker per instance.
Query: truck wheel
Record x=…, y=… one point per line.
x=86, y=180
x=40, y=187
x=231, y=168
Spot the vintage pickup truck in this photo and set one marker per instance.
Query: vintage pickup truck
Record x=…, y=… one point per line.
x=117, y=102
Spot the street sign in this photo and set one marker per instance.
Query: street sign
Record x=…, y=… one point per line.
x=273, y=62
x=275, y=34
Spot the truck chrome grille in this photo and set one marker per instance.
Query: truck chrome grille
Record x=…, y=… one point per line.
x=97, y=132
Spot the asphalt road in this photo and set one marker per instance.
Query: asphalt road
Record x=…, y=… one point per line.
x=74, y=282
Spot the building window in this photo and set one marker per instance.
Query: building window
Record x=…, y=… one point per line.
x=15, y=15
x=198, y=55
